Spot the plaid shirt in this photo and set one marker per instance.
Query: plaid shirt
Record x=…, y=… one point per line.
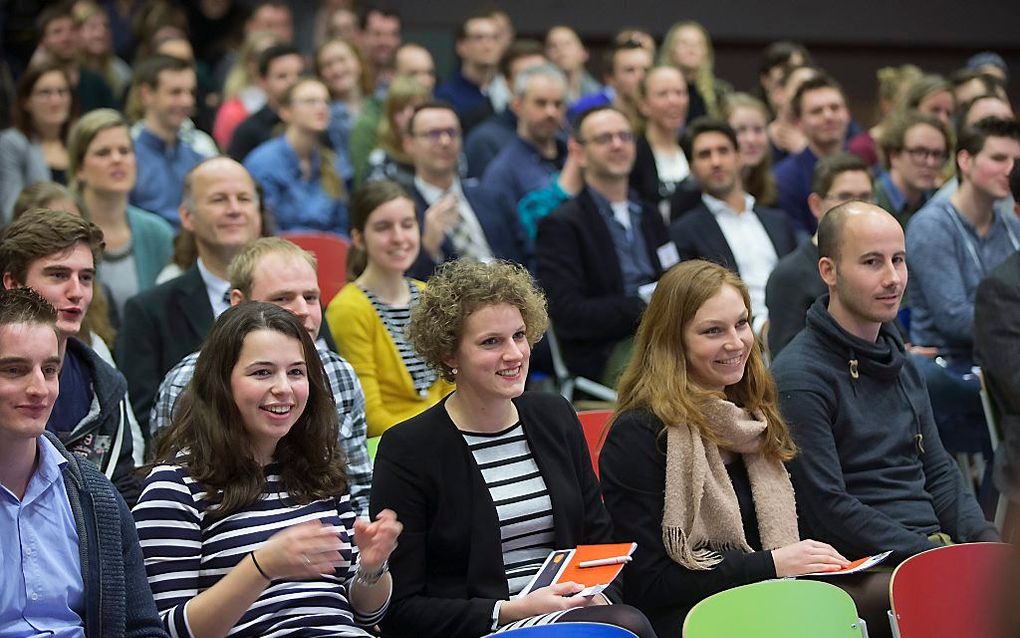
x=350, y=407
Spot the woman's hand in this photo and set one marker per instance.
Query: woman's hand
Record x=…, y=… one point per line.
x=377, y=540
x=558, y=597
x=807, y=557
x=301, y=551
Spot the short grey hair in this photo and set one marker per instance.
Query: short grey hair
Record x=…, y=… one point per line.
x=547, y=69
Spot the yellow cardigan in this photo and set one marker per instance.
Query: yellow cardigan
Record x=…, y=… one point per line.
x=364, y=341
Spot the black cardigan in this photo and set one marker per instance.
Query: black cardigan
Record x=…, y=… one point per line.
x=448, y=566
x=632, y=466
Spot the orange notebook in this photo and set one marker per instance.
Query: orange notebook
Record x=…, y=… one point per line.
x=858, y=565
x=564, y=565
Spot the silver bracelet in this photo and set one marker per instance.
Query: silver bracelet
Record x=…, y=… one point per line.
x=370, y=579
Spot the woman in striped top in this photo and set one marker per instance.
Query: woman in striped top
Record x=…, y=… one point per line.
x=245, y=520
x=491, y=479
x=368, y=316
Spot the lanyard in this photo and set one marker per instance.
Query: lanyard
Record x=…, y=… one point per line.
x=969, y=242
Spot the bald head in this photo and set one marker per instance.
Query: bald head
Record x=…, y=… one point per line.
x=221, y=207
x=414, y=60
x=833, y=224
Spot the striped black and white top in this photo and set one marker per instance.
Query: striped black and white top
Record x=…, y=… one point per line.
x=185, y=554
x=396, y=318
x=521, y=499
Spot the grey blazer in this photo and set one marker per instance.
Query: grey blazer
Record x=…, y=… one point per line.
x=21, y=164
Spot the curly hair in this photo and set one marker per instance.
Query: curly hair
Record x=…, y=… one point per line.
x=208, y=436
x=657, y=378
x=461, y=287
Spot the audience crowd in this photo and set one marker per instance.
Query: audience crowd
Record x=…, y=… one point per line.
x=278, y=309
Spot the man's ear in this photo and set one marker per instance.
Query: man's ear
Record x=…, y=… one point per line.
x=236, y=297
x=827, y=270
x=814, y=202
x=10, y=282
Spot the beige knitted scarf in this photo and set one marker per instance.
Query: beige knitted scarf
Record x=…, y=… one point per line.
x=701, y=515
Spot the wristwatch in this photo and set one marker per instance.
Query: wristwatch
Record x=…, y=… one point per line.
x=369, y=579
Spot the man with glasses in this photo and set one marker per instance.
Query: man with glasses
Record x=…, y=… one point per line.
x=795, y=283
x=599, y=254
x=915, y=147
x=457, y=219
x=479, y=52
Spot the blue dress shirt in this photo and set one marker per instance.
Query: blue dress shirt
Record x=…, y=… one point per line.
x=297, y=204
x=161, y=171
x=43, y=592
x=520, y=168
x=629, y=243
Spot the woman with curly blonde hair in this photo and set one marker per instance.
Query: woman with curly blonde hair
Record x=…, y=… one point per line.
x=492, y=478
x=692, y=466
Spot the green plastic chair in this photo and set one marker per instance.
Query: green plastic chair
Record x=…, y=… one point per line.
x=372, y=443
x=777, y=609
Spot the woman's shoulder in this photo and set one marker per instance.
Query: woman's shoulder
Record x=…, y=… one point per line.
x=142, y=220
x=265, y=154
x=636, y=422
x=427, y=428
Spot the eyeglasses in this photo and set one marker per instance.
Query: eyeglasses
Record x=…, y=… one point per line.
x=867, y=198
x=436, y=135
x=919, y=154
x=604, y=139
x=48, y=93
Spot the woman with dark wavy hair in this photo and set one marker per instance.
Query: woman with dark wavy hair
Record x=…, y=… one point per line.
x=245, y=519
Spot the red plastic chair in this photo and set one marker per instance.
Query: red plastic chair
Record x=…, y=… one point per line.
x=950, y=592
x=331, y=252
x=592, y=422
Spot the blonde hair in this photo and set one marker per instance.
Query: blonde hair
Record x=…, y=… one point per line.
x=329, y=178
x=404, y=91
x=240, y=77
x=80, y=138
x=241, y=271
x=657, y=379
x=759, y=180
x=461, y=287
x=704, y=78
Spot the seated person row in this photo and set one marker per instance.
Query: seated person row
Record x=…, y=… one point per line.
x=952, y=244
x=692, y=467
x=795, y=283
x=58, y=511
x=457, y=219
x=276, y=271
x=300, y=177
x=245, y=519
x=597, y=251
x=491, y=479
x=56, y=253
x=872, y=474
x=728, y=227
x=368, y=317
x=220, y=207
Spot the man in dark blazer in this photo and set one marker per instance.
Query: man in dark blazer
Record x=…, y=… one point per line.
x=164, y=324
x=457, y=219
x=599, y=254
x=726, y=227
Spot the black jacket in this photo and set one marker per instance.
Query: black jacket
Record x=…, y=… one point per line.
x=448, y=566
x=161, y=326
x=697, y=235
x=857, y=411
x=792, y=287
x=578, y=267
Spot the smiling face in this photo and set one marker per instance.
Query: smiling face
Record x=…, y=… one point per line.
x=493, y=353
x=750, y=126
x=172, y=100
x=690, y=51
x=607, y=145
x=339, y=68
x=919, y=163
x=65, y=279
x=290, y=283
x=391, y=238
x=29, y=367
x=269, y=384
x=867, y=278
x=715, y=163
x=824, y=117
x=718, y=341
x=666, y=100
x=109, y=162
x=224, y=211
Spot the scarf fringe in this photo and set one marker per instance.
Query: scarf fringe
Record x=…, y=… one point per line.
x=678, y=548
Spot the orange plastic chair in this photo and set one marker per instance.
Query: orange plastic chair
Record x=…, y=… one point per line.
x=330, y=251
x=950, y=591
x=592, y=422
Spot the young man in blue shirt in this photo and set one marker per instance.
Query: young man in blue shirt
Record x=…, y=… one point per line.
x=72, y=565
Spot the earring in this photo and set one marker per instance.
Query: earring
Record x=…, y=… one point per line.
x=454, y=371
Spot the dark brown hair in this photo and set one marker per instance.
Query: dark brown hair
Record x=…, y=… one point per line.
x=366, y=199
x=42, y=231
x=207, y=434
x=21, y=117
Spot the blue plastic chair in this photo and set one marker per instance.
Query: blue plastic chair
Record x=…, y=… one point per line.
x=570, y=629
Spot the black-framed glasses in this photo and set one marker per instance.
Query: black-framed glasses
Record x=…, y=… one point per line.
x=920, y=154
x=604, y=139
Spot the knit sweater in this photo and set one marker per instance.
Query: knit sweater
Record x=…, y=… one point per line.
x=118, y=602
x=871, y=473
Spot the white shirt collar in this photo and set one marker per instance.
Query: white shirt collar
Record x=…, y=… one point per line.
x=215, y=287
x=717, y=206
x=431, y=193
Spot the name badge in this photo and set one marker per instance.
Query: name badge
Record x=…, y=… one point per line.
x=668, y=255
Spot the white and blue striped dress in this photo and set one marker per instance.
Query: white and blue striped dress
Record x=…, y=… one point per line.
x=185, y=554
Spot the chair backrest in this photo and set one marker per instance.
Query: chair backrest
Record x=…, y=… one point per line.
x=592, y=422
x=571, y=629
x=331, y=252
x=950, y=591
x=776, y=608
